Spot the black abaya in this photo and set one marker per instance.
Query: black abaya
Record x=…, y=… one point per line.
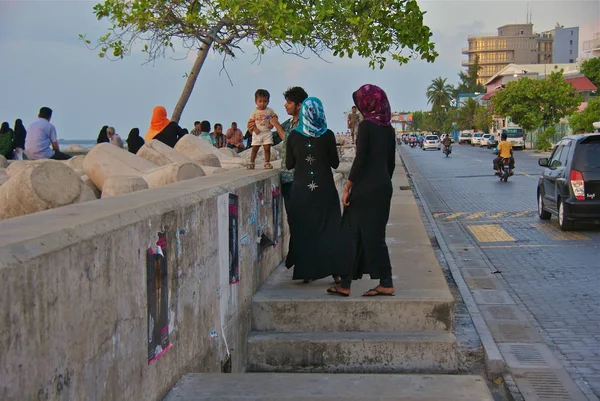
x=315, y=215
x=366, y=218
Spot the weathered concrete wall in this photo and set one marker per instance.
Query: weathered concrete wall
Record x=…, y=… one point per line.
x=73, y=288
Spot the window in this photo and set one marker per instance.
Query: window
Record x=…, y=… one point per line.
x=570, y=61
x=571, y=32
x=571, y=42
x=522, y=32
x=570, y=51
x=554, y=161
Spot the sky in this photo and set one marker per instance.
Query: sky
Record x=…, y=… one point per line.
x=43, y=63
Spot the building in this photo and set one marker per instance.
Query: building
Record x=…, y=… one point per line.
x=515, y=43
x=591, y=48
x=566, y=44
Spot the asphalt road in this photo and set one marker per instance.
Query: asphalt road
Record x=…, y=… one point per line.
x=551, y=278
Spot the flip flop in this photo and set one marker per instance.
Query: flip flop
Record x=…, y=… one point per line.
x=334, y=290
x=377, y=293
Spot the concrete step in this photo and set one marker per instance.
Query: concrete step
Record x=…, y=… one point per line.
x=352, y=352
x=284, y=305
x=316, y=387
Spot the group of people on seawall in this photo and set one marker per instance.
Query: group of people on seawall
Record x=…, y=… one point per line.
x=324, y=242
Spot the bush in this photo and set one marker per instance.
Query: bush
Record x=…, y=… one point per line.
x=543, y=139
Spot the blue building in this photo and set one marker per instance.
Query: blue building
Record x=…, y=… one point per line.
x=566, y=45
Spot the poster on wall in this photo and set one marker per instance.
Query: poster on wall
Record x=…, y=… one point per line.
x=234, y=254
x=158, y=299
x=276, y=214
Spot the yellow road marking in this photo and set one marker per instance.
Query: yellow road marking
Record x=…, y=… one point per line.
x=454, y=215
x=521, y=214
x=489, y=233
x=528, y=175
x=558, y=235
x=476, y=215
x=436, y=215
x=497, y=215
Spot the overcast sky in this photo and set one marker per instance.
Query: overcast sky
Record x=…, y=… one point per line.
x=42, y=63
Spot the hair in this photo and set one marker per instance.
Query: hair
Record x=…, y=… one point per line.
x=205, y=126
x=184, y=131
x=295, y=94
x=45, y=112
x=196, y=123
x=218, y=125
x=262, y=93
x=234, y=123
x=503, y=136
x=110, y=130
x=353, y=107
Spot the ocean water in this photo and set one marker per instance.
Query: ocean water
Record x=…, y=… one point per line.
x=85, y=143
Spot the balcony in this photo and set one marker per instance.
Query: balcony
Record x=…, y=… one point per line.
x=592, y=46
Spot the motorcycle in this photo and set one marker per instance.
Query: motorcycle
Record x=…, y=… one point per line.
x=413, y=144
x=505, y=170
x=447, y=150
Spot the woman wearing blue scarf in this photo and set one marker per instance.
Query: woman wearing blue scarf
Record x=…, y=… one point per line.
x=315, y=217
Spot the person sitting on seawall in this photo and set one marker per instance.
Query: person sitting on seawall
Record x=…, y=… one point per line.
x=504, y=152
x=41, y=141
x=7, y=141
x=113, y=137
x=163, y=129
x=134, y=140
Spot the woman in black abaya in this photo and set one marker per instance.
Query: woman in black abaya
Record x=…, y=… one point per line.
x=368, y=193
x=315, y=215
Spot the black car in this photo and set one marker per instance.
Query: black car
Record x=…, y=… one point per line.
x=569, y=186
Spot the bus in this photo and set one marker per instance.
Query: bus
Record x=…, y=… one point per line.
x=515, y=136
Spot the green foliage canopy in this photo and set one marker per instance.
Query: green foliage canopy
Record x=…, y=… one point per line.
x=591, y=69
x=389, y=28
x=585, y=119
x=535, y=103
x=439, y=93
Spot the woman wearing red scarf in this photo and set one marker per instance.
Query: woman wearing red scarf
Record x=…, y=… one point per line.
x=368, y=193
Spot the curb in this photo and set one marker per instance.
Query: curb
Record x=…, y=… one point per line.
x=494, y=362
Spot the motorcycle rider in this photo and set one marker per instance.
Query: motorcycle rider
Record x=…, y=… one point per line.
x=504, y=152
x=447, y=142
x=412, y=140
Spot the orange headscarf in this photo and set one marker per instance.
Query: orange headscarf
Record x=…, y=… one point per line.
x=158, y=123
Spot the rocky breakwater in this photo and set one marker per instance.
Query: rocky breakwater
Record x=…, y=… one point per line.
x=106, y=170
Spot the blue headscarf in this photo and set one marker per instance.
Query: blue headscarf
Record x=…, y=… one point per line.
x=312, y=122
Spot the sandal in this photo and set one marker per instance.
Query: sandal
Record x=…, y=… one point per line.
x=268, y=166
x=373, y=292
x=250, y=166
x=335, y=290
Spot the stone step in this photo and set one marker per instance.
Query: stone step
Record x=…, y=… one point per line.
x=284, y=305
x=327, y=387
x=352, y=352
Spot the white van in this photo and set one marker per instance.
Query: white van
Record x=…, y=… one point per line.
x=514, y=136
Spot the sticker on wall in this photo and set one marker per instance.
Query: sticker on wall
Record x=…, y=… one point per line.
x=157, y=288
x=276, y=215
x=234, y=254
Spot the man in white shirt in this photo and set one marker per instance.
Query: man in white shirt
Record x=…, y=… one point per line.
x=113, y=137
x=41, y=141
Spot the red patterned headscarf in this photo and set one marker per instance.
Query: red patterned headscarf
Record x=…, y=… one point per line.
x=373, y=104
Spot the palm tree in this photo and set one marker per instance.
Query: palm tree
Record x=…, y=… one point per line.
x=466, y=114
x=439, y=93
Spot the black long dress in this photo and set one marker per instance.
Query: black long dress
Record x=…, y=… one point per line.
x=170, y=134
x=315, y=218
x=365, y=219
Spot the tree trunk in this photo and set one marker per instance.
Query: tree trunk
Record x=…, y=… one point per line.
x=191, y=81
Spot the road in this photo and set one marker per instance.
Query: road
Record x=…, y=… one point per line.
x=535, y=285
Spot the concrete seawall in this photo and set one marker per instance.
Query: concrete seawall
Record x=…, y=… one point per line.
x=74, y=288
